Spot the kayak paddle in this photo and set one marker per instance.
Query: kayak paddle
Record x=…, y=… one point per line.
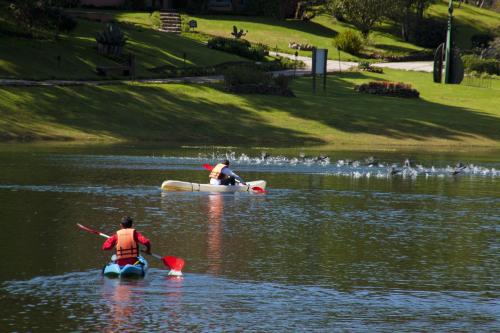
x=253, y=188
x=175, y=264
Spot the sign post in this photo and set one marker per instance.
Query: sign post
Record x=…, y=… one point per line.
x=319, y=66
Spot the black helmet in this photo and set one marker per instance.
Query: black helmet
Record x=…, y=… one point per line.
x=127, y=221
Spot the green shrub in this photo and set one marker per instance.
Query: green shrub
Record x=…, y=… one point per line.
x=237, y=75
x=480, y=40
x=493, y=51
x=239, y=47
x=473, y=63
x=36, y=16
x=249, y=80
x=366, y=66
x=386, y=88
x=349, y=41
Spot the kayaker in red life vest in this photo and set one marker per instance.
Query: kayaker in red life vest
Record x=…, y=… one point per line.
x=222, y=175
x=126, y=241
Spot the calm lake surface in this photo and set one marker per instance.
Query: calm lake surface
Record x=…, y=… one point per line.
x=339, y=242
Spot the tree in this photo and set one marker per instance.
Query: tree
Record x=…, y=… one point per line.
x=41, y=15
x=409, y=14
x=363, y=14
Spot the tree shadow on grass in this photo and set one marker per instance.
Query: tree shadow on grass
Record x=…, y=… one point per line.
x=177, y=113
x=299, y=25
x=397, y=49
x=343, y=109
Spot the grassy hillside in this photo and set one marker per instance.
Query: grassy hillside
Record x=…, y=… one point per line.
x=22, y=57
x=469, y=20
x=444, y=116
x=320, y=31
x=38, y=59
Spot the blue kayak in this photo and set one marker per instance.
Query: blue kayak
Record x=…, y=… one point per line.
x=139, y=269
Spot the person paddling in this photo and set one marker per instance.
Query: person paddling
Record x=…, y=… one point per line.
x=222, y=175
x=126, y=240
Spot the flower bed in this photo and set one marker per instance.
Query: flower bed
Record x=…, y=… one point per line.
x=386, y=88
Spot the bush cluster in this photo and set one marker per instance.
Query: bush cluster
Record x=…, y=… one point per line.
x=248, y=80
x=239, y=47
x=299, y=46
x=413, y=56
x=349, y=41
x=386, y=88
x=41, y=16
x=367, y=67
x=219, y=69
x=473, y=63
x=481, y=40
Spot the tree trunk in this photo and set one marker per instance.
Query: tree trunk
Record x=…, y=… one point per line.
x=405, y=27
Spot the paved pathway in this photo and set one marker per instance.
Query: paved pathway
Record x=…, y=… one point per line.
x=332, y=66
x=419, y=66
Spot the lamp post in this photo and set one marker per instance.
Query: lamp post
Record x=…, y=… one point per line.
x=447, y=61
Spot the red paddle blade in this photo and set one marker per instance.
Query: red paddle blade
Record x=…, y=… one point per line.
x=208, y=167
x=258, y=189
x=174, y=263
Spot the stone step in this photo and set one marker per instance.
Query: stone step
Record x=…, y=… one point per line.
x=174, y=21
x=170, y=31
x=169, y=14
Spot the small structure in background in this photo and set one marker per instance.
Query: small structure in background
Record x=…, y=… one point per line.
x=126, y=69
x=170, y=21
x=193, y=24
x=111, y=41
x=319, y=66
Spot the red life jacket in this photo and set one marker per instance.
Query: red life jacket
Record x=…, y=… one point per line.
x=126, y=246
x=217, y=171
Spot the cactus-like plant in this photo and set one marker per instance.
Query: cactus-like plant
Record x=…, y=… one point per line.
x=238, y=34
x=111, y=41
x=112, y=35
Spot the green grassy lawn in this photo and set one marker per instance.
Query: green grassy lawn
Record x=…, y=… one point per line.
x=469, y=20
x=320, y=31
x=38, y=59
x=444, y=116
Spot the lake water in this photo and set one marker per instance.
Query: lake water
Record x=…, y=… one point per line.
x=340, y=242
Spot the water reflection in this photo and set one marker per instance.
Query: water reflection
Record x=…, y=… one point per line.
x=320, y=252
x=121, y=306
x=215, y=207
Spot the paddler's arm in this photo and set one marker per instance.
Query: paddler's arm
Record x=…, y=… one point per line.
x=110, y=243
x=144, y=241
x=228, y=172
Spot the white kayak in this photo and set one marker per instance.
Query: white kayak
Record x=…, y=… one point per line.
x=139, y=269
x=176, y=185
